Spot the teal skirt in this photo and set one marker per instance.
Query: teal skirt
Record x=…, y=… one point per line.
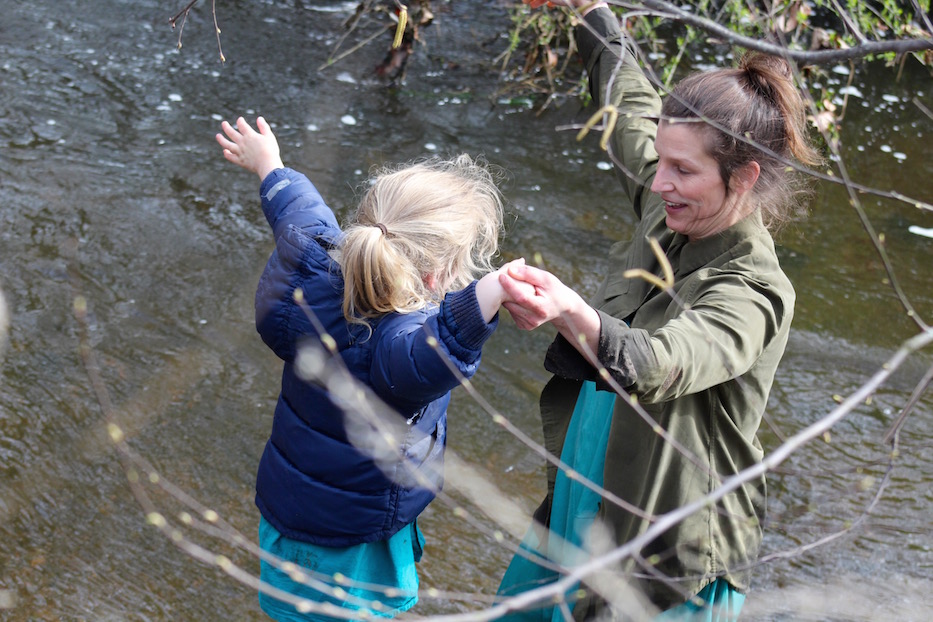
x=368, y=571
x=573, y=511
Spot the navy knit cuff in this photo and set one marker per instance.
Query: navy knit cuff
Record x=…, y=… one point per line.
x=462, y=309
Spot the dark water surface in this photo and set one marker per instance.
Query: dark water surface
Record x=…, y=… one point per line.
x=110, y=180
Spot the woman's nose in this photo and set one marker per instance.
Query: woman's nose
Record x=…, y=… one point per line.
x=661, y=182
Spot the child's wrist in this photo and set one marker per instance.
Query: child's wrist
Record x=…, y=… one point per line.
x=489, y=295
x=264, y=171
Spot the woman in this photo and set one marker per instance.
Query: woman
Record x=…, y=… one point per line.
x=699, y=357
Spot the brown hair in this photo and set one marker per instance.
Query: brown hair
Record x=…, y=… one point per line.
x=437, y=218
x=751, y=107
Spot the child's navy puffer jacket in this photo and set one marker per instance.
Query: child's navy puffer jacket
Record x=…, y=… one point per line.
x=327, y=475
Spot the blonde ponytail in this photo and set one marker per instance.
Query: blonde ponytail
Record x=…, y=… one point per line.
x=435, y=218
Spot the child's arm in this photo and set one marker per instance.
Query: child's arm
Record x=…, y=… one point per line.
x=257, y=152
x=297, y=201
x=406, y=370
x=490, y=294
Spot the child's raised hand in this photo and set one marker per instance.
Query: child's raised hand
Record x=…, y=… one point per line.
x=255, y=151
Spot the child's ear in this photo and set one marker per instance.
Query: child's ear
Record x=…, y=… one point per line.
x=430, y=282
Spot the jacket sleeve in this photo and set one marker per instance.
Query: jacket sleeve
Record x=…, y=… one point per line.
x=616, y=79
x=731, y=322
x=416, y=363
x=290, y=199
x=303, y=226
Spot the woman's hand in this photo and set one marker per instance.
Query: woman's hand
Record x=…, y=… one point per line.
x=536, y=297
x=547, y=300
x=530, y=307
x=255, y=151
x=491, y=295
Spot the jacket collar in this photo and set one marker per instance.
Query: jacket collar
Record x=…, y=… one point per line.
x=696, y=254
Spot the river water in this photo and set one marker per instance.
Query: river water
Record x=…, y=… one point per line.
x=112, y=189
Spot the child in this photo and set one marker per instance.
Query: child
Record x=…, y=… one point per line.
x=394, y=294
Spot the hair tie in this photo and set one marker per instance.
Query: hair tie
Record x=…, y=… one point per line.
x=382, y=228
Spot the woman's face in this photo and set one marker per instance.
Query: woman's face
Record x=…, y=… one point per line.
x=689, y=182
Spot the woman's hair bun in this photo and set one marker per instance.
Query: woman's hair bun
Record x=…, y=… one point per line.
x=769, y=75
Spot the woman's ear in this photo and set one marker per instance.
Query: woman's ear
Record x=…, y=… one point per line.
x=744, y=178
x=430, y=281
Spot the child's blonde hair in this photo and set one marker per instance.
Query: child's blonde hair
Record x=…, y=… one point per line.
x=434, y=218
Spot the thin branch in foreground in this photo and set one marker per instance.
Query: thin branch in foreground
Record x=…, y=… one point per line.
x=139, y=471
x=668, y=520
x=893, y=433
x=333, y=59
x=923, y=108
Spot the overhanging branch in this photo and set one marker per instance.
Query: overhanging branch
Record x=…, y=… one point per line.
x=811, y=57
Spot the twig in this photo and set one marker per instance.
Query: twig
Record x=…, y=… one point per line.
x=330, y=61
x=847, y=20
x=923, y=108
x=895, y=430
x=184, y=13
x=217, y=30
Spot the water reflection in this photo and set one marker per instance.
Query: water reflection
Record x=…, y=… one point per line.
x=110, y=176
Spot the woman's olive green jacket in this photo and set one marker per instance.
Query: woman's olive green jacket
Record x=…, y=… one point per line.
x=698, y=359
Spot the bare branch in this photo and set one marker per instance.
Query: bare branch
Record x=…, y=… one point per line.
x=183, y=12
x=816, y=57
x=923, y=108
x=846, y=18
x=921, y=388
x=217, y=30
x=333, y=59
